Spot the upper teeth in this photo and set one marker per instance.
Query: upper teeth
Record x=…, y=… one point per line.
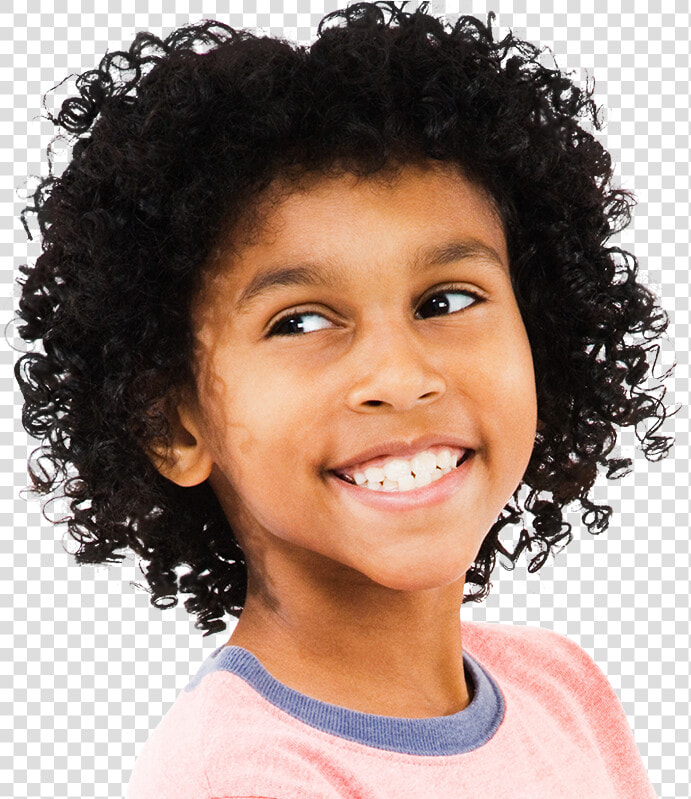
x=399, y=471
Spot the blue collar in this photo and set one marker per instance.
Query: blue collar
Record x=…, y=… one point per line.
x=461, y=732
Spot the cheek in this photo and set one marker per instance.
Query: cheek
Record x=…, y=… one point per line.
x=260, y=421
x=253, y=456
x=511, y=403
x=521, y=421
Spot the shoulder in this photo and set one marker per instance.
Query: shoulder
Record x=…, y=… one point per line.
x=541, y=662
x=506, y=645
x=540, y=667
x=171, y=764
x=553, y=687
x=223, y=737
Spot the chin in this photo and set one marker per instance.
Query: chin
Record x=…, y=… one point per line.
x=415, y=578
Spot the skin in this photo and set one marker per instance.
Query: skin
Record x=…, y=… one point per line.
x=351, y=605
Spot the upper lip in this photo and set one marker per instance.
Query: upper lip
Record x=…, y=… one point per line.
x=401, y=449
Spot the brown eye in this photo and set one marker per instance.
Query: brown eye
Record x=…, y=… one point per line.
x=444, y=307
x=290, y=324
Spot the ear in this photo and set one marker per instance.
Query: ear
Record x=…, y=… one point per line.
x=187, y=460
x=540, y=424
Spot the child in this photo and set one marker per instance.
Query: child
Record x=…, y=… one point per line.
x=312, y=318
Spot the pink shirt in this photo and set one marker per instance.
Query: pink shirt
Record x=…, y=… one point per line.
x=543, y=721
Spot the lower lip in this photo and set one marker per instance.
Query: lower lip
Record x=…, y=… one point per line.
x=423, y=497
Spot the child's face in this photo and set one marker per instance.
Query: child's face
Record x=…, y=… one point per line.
x=365, y=363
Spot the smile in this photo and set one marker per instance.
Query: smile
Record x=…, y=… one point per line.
x=400, y=474
x=438, y=487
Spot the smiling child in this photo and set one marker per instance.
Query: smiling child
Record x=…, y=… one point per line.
x=312, y=318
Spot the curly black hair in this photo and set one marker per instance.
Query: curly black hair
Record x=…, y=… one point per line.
x=176, y=138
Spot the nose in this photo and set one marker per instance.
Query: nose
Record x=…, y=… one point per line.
x=393, y=368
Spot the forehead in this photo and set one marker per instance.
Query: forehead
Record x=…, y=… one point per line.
x=422, y=187
x=338, y=220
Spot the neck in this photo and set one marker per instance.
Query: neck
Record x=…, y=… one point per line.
x=367, y=648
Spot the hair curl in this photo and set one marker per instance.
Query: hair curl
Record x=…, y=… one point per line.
x=174, y=139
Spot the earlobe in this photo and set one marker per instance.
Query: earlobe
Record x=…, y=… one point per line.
x=186, y=461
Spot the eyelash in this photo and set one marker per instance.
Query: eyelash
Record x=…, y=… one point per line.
x=293, y=313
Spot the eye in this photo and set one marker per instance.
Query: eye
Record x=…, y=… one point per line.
x=291, y=321
x=455, y=305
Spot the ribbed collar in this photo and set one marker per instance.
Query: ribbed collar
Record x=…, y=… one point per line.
x=441, y=735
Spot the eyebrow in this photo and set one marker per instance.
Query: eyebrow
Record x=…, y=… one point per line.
x=332, y=275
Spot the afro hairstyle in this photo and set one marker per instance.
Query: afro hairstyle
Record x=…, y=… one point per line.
x=173, y=141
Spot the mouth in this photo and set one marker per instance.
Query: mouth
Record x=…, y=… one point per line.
x=400, y=476
x=409, y=494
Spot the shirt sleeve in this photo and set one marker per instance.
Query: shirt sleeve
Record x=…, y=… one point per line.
x=608, y=723
x=171, y=764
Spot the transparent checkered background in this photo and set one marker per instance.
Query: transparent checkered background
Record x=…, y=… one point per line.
x=89, y=667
